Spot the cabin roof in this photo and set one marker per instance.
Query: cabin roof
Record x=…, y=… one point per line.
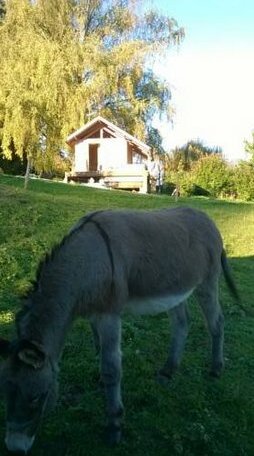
x=100, y=122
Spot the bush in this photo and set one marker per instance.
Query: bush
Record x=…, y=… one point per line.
x=14, y=166
x=200, y=191
x=186, y=184
x=214, y=175
x=182, y=179
x=244, y=180
x=168, y=187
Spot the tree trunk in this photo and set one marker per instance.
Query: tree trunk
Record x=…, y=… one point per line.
x=28, y=167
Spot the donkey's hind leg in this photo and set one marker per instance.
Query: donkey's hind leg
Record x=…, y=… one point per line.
x=180, y=320
x=207, y=295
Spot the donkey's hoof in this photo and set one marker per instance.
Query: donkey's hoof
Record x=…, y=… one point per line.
x=113, y=435
x=164, y=377
x=216, y=371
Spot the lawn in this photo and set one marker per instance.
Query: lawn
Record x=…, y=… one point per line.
x=195, y=415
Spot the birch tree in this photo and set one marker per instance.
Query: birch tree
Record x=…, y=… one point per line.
x=66, y=61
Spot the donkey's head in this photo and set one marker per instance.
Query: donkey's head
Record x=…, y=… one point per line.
x=28, y=381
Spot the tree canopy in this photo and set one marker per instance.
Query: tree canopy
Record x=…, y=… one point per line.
x=64, y=62
x=184, y=157
x=249, y=148
x=2, y=9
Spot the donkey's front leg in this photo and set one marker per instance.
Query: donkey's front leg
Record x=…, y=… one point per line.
x=109, y=330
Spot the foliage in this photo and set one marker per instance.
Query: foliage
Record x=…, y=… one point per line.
x=249, y=147
x=244, y=180
x=14, y=165
x=202, y=174
x=195, y=415
x=154, y=140
x=212, y=173
x=2, y=9
x=63, y=62
x=183, y=180
x=189, y=153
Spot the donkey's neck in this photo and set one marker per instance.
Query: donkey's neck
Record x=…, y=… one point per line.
x=76, y=279
x=46, y=323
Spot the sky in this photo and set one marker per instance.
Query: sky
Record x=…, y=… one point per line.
x=211, y=74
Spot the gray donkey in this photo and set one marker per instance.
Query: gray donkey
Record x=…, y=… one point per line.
x=111, y=263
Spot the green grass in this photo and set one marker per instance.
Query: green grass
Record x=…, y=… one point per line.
x=195, y=415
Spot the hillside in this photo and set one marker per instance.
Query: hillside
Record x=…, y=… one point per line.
x=195, y=415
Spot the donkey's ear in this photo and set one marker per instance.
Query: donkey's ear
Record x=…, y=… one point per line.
x=5, y=348
x=31, y=353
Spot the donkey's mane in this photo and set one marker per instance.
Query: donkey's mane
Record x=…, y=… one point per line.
x=49, y=256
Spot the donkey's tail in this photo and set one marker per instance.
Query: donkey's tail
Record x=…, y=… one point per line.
x=228, y=276
x=232, y=286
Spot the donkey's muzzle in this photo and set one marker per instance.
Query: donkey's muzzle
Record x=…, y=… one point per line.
x=18, y=443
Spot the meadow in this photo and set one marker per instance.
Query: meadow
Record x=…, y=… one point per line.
x=195, y=415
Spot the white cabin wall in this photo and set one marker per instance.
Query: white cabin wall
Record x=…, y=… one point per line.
x=81, y=157
x=112, y=153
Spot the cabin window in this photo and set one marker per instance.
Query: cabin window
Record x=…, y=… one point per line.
x=137, y=158
x=133, y=156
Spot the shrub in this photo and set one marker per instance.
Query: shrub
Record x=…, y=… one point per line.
x=214, y=175
x=13, y=166
x=182, y=179
x=186, y=184
x=168, y=187
x=244, y=180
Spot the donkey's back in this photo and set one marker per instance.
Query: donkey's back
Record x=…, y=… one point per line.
x=163, y=254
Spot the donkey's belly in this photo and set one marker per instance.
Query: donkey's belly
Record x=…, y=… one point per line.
x=154, y=305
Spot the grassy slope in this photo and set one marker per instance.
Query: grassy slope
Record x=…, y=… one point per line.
x=195, y=415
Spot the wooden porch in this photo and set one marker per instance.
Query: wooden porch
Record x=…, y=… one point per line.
x=130, y=177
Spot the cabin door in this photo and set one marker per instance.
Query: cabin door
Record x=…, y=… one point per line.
x=93, y=157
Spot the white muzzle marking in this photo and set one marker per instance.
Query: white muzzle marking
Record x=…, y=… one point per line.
x=16, y=441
